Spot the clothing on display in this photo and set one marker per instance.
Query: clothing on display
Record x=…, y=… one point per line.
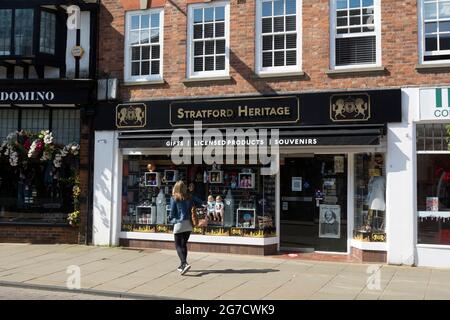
x=376, y=194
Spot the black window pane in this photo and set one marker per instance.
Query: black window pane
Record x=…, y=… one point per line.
x=290, y=23
x=431, y=43
x=198, y=28
x=279, y=42
x=145, y=53
x=278, y=24
x=342, y=13
x=220, y=29
x=341, y=22
x=155, y=67
x=155, y=36
x=198, y=48
x=368, y=19
x=5, y=31
x=356, y=12
x=220, y=46
x=291, y=58
x=23, y=31
x=267, y=42
x=355, y=30
x=136, y=53
x=291, y=41
x=220, y=63
x=145, y=68
x=444, y=42
x=354, y=21
x=209, y=47
x=266, y=25
x=267, y=59
x=198, y=64
x=209, y=30
x=156, y=52
x=341, y=31
x=135, y=68
x=209, y=63
x=279, y=58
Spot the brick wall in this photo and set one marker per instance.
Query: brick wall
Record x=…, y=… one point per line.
x=38, y=234
x=399, y=53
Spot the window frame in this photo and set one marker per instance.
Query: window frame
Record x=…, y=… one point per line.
x=190, y=73
x=334, y=36
x=259, y=69
x=421, y=21
x=127, y=65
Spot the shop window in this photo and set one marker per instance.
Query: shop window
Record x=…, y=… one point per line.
x=237, y=200
x=39, y=168
x=48, y=32
x=433, y=183
x=66, y=125
x=435, y=30
x=370, y=197
x=355, y=33
x=34, y=120
x=208, y=39
x=278, y=42
x=9, y=122
x=17, y=31
x=143, y=45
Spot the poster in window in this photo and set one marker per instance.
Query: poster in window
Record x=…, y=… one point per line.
x=432, y=204
x=296, y=183
x=339, y=164
x=330, y=221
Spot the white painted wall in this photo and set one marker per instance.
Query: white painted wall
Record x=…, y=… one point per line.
x=400, y=187
x=433, y=256
x=85, y=44
x=106, y=204
x=85, y=41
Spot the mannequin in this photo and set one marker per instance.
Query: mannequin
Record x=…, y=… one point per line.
x=376, y=197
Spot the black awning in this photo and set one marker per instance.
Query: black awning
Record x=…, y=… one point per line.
x=350, y=136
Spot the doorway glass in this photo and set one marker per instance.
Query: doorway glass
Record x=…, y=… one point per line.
x=314, y=203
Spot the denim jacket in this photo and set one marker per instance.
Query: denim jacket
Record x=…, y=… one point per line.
x=181, y=210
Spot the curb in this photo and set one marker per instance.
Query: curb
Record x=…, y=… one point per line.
x=112, y=294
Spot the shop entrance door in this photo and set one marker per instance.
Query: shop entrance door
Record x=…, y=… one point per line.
x=314, y=203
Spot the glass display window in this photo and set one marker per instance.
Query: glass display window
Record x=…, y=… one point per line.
x=433, y=184
x=229, y=207
x=370, y=197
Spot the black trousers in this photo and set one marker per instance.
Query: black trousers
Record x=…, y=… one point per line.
x=181, y=240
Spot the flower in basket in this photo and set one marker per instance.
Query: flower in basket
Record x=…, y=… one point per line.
x=47, y=137
x=13, y=159
x=73, y=218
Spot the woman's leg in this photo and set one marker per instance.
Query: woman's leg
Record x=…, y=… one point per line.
x=184, y=247
x=179, y=246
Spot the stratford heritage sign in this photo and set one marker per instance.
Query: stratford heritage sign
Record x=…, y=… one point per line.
x=235, y=111
x=325, y=109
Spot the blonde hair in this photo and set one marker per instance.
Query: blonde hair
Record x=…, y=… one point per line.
x=179, y=191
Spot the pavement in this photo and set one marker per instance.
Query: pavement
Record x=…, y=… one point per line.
x=120, y=273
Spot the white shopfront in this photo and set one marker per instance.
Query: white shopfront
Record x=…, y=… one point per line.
x=332, y=173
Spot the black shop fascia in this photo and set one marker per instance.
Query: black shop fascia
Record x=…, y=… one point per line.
x=311, y=119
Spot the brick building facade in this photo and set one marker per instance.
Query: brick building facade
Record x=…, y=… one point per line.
x=369, y=60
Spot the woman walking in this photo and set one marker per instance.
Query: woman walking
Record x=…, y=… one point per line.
x=180, y=214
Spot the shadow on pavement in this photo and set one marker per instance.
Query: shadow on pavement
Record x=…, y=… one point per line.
x=202, y=273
